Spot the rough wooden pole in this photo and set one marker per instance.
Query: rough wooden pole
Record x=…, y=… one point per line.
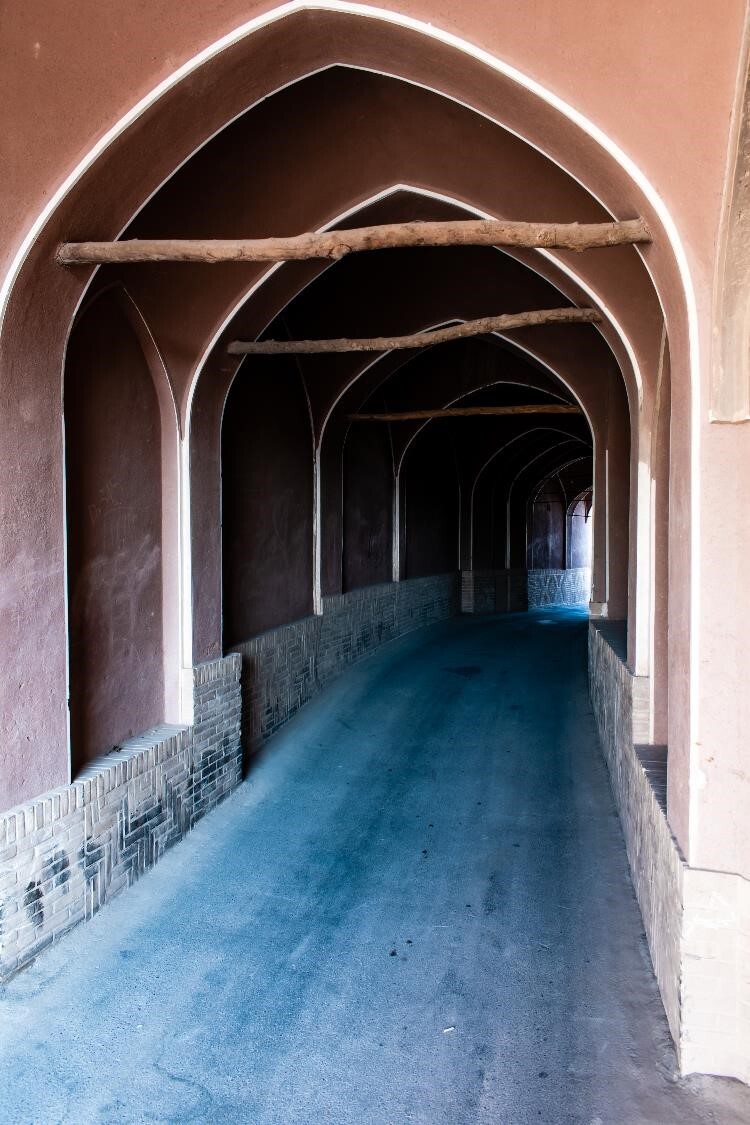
x=337, y=243
x=419, y=339
x=463, y=412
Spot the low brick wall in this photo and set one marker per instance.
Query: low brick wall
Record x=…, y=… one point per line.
x=697, y=922
x=656, y=866
x=512, y=591
x=559, y=587
x=286, y=667
x=494, y=591
x=63, y=855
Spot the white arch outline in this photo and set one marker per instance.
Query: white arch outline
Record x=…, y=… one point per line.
x=556, y=473
x=566, y=513
x=170, y=432
x=384, y=193
x=577, y=499
x=511, y=344
x=420, y=429
x=170, y=446
x=517, y=477
x=398, y=19
x=441, y=197
x=496, y=453
x=627, y=163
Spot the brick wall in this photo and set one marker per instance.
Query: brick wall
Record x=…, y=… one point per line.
x=697, y=922
x=63, y=855
x=655, y=862
x=284, y=668
x=559, y=587
x=493, y=591
x=511, y=591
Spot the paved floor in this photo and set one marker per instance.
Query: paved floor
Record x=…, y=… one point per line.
x=417, y=909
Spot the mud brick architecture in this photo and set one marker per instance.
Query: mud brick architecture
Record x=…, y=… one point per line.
x=197, y=539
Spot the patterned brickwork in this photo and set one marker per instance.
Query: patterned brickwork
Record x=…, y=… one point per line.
x=559, y=587
x=286, y=667
x=64, y=855
x=512, y=591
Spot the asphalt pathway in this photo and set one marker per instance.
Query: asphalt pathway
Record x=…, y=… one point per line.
x=416, y=909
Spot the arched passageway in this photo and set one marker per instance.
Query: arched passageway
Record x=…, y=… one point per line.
x=205, y=537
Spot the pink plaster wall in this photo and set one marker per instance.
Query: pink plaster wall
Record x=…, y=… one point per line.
x=267, y=501
x=113, y=478
x=664, y=95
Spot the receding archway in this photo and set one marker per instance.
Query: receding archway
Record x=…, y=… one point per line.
x=114, y=533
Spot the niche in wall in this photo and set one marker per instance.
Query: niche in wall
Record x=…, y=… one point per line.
x=431, y=503
x=368, y=506
x=267, y=501
x=114, y=533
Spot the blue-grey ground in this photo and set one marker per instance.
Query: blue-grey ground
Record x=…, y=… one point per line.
x=416, y=909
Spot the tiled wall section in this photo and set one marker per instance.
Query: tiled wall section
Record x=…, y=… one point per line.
x=697, y=922
x=559, y=587
x=64, y=855
x=284, y=668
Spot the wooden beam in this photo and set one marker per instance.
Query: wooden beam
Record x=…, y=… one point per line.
x=336, y=244
x=418, y=339
x=463, y=412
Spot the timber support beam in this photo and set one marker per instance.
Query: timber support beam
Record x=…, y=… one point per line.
x=464, y=412
x=481, y=327
x=337, y=244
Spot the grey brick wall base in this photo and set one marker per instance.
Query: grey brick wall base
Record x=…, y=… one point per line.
x=494, y=591
x=286, y=667
x=559, y=587
x=697, y=922
x=63, y=855
x=512, y=591
x=638, y=782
